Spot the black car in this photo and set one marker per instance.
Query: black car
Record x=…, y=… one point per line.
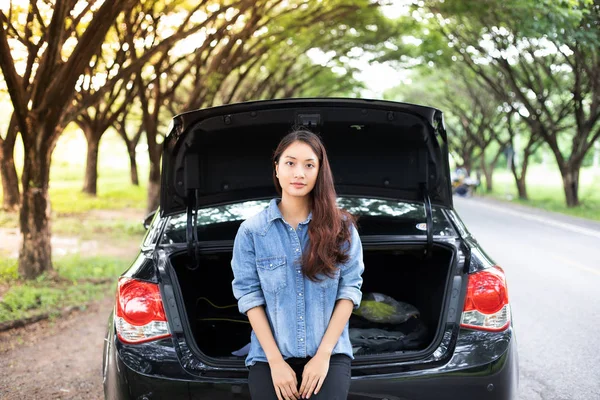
x=175, y=331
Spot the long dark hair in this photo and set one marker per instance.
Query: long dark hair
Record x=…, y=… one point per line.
x=330, y=226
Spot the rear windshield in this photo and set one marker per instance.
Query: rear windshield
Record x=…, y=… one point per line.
x=375, y=217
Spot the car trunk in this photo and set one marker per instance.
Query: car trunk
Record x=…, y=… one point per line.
x=397, y=270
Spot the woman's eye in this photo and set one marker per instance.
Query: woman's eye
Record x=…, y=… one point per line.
x=310, y=165
x=289, y=162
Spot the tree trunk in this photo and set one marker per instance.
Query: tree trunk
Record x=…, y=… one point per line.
x=153, y=187
x=154, y=153
x=90, y=182
x=488, y=172
x=133, y=164
x=521, y=188
x=468, y=164
x=570, y=176
x=35, y=257
x=131, y=144
x=10, y=180
x=520, y=180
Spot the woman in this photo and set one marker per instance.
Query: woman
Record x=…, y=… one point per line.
x=297, y=269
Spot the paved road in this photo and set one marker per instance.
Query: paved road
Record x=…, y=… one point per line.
x=553, y=271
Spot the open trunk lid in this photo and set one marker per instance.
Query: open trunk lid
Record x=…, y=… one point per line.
x=380, y=148
x=222, y=154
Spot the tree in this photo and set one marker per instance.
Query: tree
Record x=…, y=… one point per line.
x=95, y=117
x=474, y=118
x=534, y=141
x=159, y=79
x=95, y=121
x=8, y=172
x=40, y=97
x=481, y=117
x=542, y=59
x=241, y=52
x=122, y=126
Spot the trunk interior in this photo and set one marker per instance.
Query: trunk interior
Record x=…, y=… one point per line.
x=398, y=271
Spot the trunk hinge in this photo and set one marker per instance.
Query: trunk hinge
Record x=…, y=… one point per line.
x=428, y=219
x=191, y=232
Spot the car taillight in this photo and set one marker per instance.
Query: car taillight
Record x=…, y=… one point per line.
x=139, y=312
x=486, y=305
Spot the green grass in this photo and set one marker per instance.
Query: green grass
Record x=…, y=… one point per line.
x=115, y=190
x=545, y=191
x=114, y=195
x=67, y=171
x=94, y=229
x=24, y=299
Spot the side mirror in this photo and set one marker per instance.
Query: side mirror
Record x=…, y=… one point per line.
x=148, y=219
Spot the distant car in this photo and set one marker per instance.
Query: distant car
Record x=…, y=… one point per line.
x=176, y=332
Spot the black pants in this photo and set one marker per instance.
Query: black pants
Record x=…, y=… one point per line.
x=335, y=386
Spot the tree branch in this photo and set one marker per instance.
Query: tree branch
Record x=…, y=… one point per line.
x=13, y=80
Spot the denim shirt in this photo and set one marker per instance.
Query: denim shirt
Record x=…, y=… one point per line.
x=267, y=252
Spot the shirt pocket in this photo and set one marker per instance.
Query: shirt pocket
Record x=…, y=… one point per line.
x=272, y=273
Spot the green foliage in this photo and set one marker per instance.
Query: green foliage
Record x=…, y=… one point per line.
x=8, y=269
x=73, y=288
x=564, y=20
x=537, y=58
x=73, y=267
x=28, y=300
x=77, y=267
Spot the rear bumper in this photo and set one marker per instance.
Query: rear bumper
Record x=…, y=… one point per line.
x=465, y=376
x=496, y=380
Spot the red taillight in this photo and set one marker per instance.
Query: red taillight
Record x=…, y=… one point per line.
x=139, y=312
x=486, y=305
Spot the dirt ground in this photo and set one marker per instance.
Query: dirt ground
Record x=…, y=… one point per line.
x=60, y=359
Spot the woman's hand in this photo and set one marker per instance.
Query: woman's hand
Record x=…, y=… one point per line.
x=314, y=374
x=284, y=380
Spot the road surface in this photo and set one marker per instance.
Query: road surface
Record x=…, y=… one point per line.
x=553, y=271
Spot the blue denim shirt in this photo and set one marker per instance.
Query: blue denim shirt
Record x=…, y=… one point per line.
x=266, y=267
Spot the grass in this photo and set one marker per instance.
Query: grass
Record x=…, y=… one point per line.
x=74, y=286
x=115, y=191
x=108, y=229
x=545, y=191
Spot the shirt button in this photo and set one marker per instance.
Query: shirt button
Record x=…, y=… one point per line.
x=302, y=340
x=299, y=294
x=291, y=229
x=301, y=317
x=297, y=249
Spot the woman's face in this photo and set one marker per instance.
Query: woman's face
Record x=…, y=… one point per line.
x=298, y=164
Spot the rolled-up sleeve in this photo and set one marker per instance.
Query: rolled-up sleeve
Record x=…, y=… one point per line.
x=351, y=272
x=246, y=284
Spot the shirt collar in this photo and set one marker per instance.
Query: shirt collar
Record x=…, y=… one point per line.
x=274, y=212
